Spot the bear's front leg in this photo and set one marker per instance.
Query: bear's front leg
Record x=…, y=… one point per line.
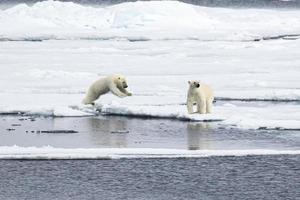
x=123, y=90
x=209, y=105
x=128, y=93
x=190, y=106
x=115, y=90
x=201, y=107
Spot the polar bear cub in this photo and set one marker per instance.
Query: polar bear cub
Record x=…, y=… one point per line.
x=116, y=84
x=201, y=95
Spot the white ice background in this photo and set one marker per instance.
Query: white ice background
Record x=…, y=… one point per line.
x=154, y=20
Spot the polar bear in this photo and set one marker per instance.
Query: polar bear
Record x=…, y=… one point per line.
x=116, y=84
x=202, y=95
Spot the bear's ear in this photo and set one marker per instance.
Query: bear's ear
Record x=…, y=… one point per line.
x=119, y=77
x=189, y=82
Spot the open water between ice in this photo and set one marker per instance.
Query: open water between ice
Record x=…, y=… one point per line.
x=127, y=132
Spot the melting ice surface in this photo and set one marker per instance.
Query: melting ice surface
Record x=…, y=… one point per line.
x=158, y=46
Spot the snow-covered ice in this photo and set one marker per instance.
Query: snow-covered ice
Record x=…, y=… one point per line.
x=50, y=78
x=143, y=21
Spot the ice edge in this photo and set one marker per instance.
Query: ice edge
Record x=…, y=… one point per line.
x=50, y=153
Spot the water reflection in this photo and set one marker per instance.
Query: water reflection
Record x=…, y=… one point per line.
x=107, y=132
x=198, y=136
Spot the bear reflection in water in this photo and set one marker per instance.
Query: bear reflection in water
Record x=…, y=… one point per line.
x=198, y=136
x=121, y=132
x=108, y=133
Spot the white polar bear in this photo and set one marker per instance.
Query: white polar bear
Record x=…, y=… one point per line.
x=116, y=84
x=202, y=95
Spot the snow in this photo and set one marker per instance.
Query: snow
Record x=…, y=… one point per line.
x=49, y=78
x=153, y=20
x=48, y=152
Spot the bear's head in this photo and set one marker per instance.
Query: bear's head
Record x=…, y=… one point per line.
x=121, y=82
x=194, y=84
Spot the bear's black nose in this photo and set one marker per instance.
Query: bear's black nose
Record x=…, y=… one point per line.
x=125, y=86
x=198, y=85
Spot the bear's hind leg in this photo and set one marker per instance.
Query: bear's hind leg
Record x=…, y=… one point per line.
x=85, y=102
x=90, y=98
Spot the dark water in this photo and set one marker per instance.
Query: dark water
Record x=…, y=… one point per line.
x=210, y=3
x=249, y=177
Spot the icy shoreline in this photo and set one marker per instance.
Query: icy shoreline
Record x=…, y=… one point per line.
x=50, y=153
x=243, y=115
